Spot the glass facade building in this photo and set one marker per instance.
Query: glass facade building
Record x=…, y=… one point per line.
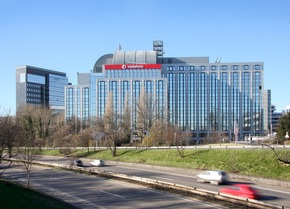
x=197, y=96
x=78, y=103
x=126, y=84
x=215, y=97
x=38, y=86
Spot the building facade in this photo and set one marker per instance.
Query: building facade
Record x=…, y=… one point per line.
x=199, y=96
x=38, y=86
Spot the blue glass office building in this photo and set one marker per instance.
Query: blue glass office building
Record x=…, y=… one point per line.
x=200, y=97
x=41, y=87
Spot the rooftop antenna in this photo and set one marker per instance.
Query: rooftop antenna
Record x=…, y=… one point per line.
x=119, y=48
x=218, y=60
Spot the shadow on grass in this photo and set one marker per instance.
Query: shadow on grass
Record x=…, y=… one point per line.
x=196, y=153
x=134, y=151
x=85, y=154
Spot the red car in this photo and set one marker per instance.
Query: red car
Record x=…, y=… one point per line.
x=241, y=190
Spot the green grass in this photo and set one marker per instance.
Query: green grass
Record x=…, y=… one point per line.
x=13, y=196
x=257, y=162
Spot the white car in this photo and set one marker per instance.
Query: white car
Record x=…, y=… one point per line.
x=98, y=163
x=213, y=177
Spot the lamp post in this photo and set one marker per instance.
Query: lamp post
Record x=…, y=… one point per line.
x=236, y=132
x=286, y=137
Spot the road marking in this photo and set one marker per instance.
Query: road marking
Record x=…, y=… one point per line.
x=188, y=199
x=272, y=190
x=111, y=194
x=163, y=172
x=165, y=178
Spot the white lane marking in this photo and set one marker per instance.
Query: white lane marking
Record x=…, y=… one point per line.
x=164, y=178
x=208, y=205
x=163, y=172
x=272, y=190
x=111, y=194
x=264, y=188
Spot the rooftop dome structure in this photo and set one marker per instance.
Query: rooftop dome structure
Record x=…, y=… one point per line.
x=126, y=57
x=103, y=60
x=138, y=57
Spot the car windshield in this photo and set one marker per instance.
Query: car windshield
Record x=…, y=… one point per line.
x=223, y=173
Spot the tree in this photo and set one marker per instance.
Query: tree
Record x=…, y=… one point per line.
x=110, y=125
x=75, y=125
x=8, y=132
x=285, y=161
x=43, y=117
x=158, y=132
x=125, y=123
x=149, y=113
x=85, y=138
x=27, y=148
x=282, y=128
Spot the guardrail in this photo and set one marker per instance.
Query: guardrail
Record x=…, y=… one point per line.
x=176, y=188
x=214, y=146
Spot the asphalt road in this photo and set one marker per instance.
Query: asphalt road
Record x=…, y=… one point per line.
x=86, y=191
x=270, y=193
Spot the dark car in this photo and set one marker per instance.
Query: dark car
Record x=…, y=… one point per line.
x=78, y=163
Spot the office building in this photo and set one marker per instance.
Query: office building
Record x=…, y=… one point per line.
x=200, y=97
x=38, y=86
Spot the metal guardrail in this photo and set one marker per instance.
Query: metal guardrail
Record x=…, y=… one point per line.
x=214, y=146
x=165, y=186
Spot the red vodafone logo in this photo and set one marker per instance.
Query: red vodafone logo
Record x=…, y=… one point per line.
x=132, y=66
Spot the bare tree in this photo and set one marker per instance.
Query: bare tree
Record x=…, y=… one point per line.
x=8, y=132
x=58, y=128
x=75, y=125
x=125, y=122
x=149, y=112
x=178, y=138
x=27, y=149
x=285, y=161
x=42, y=122
x=109, y=125
x=85, y=138
x=158, y=132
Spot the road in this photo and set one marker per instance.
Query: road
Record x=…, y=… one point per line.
x=86, y=191
x=271, y=194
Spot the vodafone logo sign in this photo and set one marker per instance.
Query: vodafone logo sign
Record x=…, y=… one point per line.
x=132, y=66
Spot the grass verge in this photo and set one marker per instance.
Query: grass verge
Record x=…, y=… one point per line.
x=254, y=162
x=14, y=196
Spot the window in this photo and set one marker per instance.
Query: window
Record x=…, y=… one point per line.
x=213, y=67
x=235, y=67
x=202, y=67
x=192, y=68
x=257, y=67
x=170, y=68
x=35, y=79
x=224, y=67
x=246, y=67
x=181, y=68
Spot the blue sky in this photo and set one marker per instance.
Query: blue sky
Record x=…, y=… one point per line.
x=70, y=35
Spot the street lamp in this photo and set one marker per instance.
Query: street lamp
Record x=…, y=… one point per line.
x=286, y=137
x=236, y=132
